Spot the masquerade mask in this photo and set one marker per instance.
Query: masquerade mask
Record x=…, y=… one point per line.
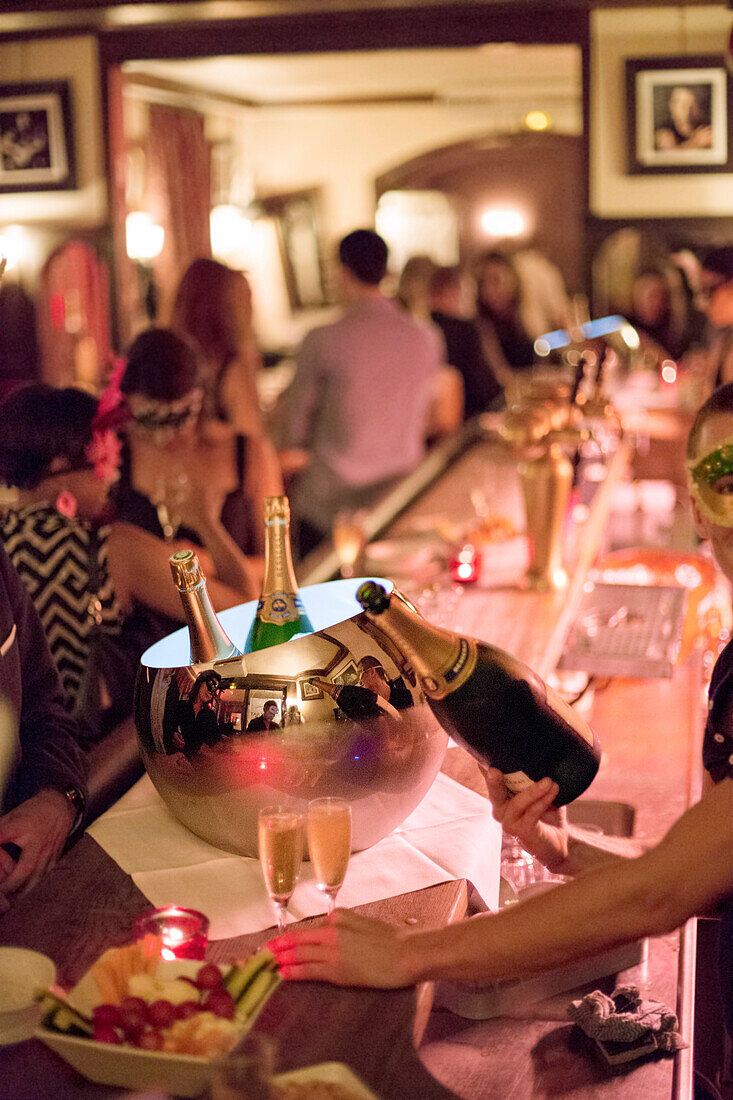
x=711, y=484
x=165, y=419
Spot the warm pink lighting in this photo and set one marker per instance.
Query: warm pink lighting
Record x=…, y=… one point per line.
x=464, y=568
x=669, y=371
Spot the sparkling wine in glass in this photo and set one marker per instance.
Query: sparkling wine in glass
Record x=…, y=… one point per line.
x=280, y=841
x=349, y=540
x=329, y=844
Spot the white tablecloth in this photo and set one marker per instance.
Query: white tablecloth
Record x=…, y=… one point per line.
x=450, y=835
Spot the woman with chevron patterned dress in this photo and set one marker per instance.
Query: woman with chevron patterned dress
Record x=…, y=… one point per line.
x=88, y=576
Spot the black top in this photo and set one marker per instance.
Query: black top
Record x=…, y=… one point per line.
x=516, y=345
x=717, y=756
x=197, y=729
x=257, y=725
x=144, y=626
x=50, y=755
x=358, y=703
x=465, y=352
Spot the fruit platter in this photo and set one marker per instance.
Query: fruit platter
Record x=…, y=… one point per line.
x=139, y=1021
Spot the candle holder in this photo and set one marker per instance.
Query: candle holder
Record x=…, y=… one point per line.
x=183, y=933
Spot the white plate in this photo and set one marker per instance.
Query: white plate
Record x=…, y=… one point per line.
x=335, y=1073
x=21, y=973
x=129, y=1067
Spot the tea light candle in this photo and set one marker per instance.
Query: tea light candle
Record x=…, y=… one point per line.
x=464, y=568
x=182, y=932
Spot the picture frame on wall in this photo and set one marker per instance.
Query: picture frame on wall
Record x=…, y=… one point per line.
x=36, y=137
x=679, y=110
x=299, y=237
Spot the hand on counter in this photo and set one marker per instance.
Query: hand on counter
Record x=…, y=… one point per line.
x=39, y=827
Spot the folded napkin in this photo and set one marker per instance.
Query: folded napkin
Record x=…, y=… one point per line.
x=625, y=1018
x=450, y=835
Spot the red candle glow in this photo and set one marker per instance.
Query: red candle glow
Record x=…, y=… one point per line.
x=182, y=932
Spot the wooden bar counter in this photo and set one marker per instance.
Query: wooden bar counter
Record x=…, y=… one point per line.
x=650, y=733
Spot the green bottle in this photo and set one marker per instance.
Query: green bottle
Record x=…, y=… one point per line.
x=280, y=613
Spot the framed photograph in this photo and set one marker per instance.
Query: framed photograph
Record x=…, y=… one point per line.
x=296, y=217
x=36, y=137
x=678, y=114
x=349, y=674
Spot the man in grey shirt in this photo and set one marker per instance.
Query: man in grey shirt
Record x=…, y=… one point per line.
x=360, y=397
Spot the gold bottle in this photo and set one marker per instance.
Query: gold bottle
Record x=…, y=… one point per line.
x=209, y=640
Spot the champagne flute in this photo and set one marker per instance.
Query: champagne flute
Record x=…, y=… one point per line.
x=329, y=844
x=280, y=842
x=349, y=540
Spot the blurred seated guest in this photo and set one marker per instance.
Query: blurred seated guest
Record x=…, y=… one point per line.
x=464, y=349
x=86, y=578
x=198, y=723
x=448, y=401
x=652, y=315
x=264, y=722
x=42, y=769
x=716, y=300
x=544, y=304
x=213, y=308
x=174, y=459
x=360, y=398
x=507, y=346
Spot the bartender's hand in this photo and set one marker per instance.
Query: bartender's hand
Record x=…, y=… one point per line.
x=529, y=816
x=39, y=827
x=346, y=950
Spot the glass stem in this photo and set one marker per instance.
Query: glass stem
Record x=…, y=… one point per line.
x=282, y=917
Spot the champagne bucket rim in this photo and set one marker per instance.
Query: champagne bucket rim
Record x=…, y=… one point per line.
x=327, y=604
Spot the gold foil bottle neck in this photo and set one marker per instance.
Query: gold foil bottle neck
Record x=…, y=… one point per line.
x=277, y=509
x=186, y=570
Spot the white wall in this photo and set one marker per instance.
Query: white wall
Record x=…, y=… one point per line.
x=624, y=33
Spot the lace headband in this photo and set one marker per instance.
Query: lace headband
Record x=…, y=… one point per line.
x=150, y=415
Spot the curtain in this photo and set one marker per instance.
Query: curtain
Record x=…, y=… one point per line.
x=178, y=193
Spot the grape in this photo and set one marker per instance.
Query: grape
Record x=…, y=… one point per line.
x=187, y=1009
x=220, y=1002
x=107, y=1014
x=105, y=1033
x=209, y=977
x=161, y=1013
x=151, y=1040
x=133, y=1004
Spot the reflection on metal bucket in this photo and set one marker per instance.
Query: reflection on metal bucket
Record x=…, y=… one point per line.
x=337, y=712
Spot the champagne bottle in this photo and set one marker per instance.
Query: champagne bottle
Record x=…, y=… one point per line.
x=496, y=706
x=280, y=613
x=209, y=641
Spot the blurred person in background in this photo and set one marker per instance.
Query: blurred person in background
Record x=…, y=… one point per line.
x=655, y=315
x=507, y=346
x=464, y=349
x=176, y=462
x=213, y=308
x=360, y=399
x=715, y=298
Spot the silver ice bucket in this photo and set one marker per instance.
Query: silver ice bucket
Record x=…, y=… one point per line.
x=204, y=746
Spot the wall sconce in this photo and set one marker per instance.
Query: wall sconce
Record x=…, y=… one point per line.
x=143, y=238
x=499, y=221
x=230, y=230
x=13, y=246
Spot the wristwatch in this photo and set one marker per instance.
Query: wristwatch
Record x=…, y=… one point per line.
x=76, y=798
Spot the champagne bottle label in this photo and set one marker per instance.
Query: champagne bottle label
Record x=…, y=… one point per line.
x=448, y=679
x=516, y=781
x=279, y=607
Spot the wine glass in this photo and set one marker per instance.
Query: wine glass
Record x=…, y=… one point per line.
x=349, y=540
x=329, y=844
x=280, y=842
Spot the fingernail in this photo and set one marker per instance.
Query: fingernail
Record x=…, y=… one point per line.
x=285, y=972
x=546, y=783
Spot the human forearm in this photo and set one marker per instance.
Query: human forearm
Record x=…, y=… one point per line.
x=589, y=851
x=231, y=566
x=597, y=912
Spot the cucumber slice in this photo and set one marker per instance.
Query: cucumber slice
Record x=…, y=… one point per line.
x=239, y=979
x=58, y=1015
x=258, y=990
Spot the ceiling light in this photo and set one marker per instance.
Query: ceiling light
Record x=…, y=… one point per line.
x=503, y=221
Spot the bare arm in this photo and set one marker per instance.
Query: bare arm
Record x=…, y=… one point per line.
x=689, y=872
x=262, y=478
x=138, y=565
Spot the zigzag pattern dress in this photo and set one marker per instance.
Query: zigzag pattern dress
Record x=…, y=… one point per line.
x=63, y=564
